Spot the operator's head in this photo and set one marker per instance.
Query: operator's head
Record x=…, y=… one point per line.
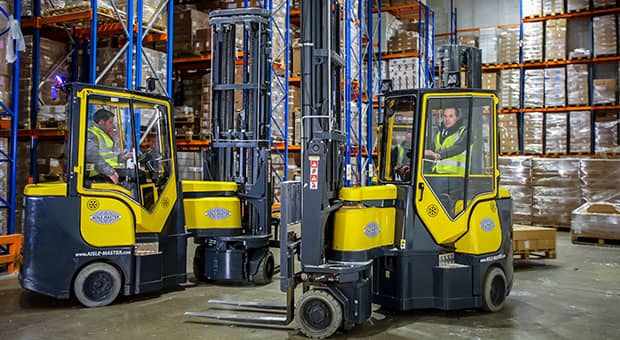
x=105, y=119
x=450, y=116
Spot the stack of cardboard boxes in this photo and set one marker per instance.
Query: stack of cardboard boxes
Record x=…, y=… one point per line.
x=600, y=180
x=532, y=41
x=403, y=73
x=517, y=179
x=552, y=7
x=604, y=91
x=508, y=133
x=489, y=44
x=606, y=132
x=187, y=23
x=555, y=39
x=510, y=88
x=556, y=190
x=577, y=5
x=531, y=8
x=605, y=38
x=577, y=85
x=580, y=131
x=533, y=132
x=556, y=133
x=555, y=87
x=533, y=88
x=509, y=45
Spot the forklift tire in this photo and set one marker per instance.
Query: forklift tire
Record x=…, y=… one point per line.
x=494, y=290
x=199, y=265
x=264, y=272
x=319, y=314
x=97, y=285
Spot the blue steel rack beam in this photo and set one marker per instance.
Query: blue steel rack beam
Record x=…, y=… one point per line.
x=10, y=157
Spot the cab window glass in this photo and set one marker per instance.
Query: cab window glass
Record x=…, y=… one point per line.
x=397, y=134
x=154, y=161
x=110, y=148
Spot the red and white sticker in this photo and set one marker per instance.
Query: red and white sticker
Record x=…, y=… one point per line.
x=314, y=172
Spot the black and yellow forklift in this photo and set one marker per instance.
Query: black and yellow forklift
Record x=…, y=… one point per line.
x=90, y=237
x=432, y=232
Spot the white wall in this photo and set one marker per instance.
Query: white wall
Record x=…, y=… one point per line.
x=475, y=13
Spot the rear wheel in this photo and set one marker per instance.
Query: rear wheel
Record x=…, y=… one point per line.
x=264, y=272
x=97, y=285
x=319, y=314
x=199, y=264
x=494, y=290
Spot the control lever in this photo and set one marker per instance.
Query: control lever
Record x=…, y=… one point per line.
x=421, y=188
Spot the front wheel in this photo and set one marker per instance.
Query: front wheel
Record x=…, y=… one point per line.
x=319, y=314
x=494, y=290
x=265, y=269
x=97, y=285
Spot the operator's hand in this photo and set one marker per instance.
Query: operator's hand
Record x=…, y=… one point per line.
x=431, y=153
x=114, y=178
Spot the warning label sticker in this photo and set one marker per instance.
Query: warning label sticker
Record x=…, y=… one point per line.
x=314, y=172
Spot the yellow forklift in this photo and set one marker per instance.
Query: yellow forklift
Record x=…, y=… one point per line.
x=434, y=232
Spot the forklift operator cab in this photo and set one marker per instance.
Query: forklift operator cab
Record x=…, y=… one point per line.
x=90, y=238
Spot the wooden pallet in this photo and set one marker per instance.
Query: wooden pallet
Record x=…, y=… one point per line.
x=535, y=254
x=596, y=239
x=184, y=120
x=13, y=258
x=105, y=12
x=51, y=124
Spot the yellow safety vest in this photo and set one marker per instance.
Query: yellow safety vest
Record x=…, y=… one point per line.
x=454, y=164
x=106, y=148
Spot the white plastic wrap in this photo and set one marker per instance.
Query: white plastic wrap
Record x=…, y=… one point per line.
x=577, y=5
x=552, y=7
x=533, y=132
x=600, y=180
x=509, y=45
x=403, y=72
x=489, y=44
x=508, y=133
x=603, y=3
x=577, y=84
x=533, y=88
x=556, y=133
x=597, y=219
x=531, y=8
x=604, y=91
x=580, y=131
x=555, y=88
x=515, y=170
x=605, y=38
x=555, y=190
x=510, y=88
x=606, y=133
x=532, y=41
x=521, y=203
x=555, y=39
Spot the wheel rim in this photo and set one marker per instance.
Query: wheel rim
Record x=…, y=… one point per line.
x=98, y=285
x=498, y=290
x=317, y=314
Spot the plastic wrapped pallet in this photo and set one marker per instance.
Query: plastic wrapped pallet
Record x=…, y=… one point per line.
x=515, y=176
x=605, y=38
x=604, y=91
x=555, y=39
x=532, y=41
x=556, y=190
x=509, y=45
x=580, y=131
x=403, y=72
x=603, y=3
x=606, y=133
x=597, y=220
x=577, y=84
x=510, y=88
x=533, y=132
x=555, y=87
x=531, y=8
x=577, y=5
x=489, y=45
x=600, y=180
x=521, y=203
x=508, y=133
x=533, y=88
x=58, y=7
x=552, y=7
x=556, y=133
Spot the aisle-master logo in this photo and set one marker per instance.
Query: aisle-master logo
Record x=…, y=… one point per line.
x=105, y=217
x=218, y=213
x=107, y=252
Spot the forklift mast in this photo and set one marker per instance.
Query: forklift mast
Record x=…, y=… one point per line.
x=456, y=58
x=322, y=136
x=240, y=149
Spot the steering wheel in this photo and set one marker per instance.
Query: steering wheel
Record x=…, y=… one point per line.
x=152, y=161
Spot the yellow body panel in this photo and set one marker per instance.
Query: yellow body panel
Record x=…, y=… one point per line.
x=212, y=213
x=443, y=229
x=106, y=222
x=368, y=193
x=208, y=186
x=504, y=193
x=145, y=221
x=485, y=232
x=110, y=186
x=46, y=189
x=363, y=228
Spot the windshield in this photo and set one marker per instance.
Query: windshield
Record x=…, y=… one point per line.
x=396, y=135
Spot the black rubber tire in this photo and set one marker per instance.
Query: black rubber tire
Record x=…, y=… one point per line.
x=264, y=272
x=319, y=314
x=97, y=285
x=199, y=264
x=494, y=290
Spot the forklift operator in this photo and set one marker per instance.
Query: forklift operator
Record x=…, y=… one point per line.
x=102, y=148
x=450, y=144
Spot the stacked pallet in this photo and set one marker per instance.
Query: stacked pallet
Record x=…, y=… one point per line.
x=530, y=242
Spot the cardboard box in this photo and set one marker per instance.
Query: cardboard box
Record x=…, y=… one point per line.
x=508, y=133
x=533, y=132
x=534, y=88
x=556, y=130
x=527, y=239
x=604, y=91
x=577, y=84
x=552, y=7
x=605, y=38
x=580, y=123
x=532, y=41
x=186, y=23
x=577, y=5
x=531, y=8
x=555, y=39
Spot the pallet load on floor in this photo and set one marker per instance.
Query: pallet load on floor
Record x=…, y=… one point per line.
x=532, y=242
x=596, y=223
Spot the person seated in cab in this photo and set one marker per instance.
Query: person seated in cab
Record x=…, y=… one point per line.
x=102, y=148
x=450, y=152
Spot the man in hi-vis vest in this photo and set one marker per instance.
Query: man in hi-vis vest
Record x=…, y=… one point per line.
x=102, y=150
x=450, y=153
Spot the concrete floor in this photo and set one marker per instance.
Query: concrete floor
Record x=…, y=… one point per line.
x=576, y=296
